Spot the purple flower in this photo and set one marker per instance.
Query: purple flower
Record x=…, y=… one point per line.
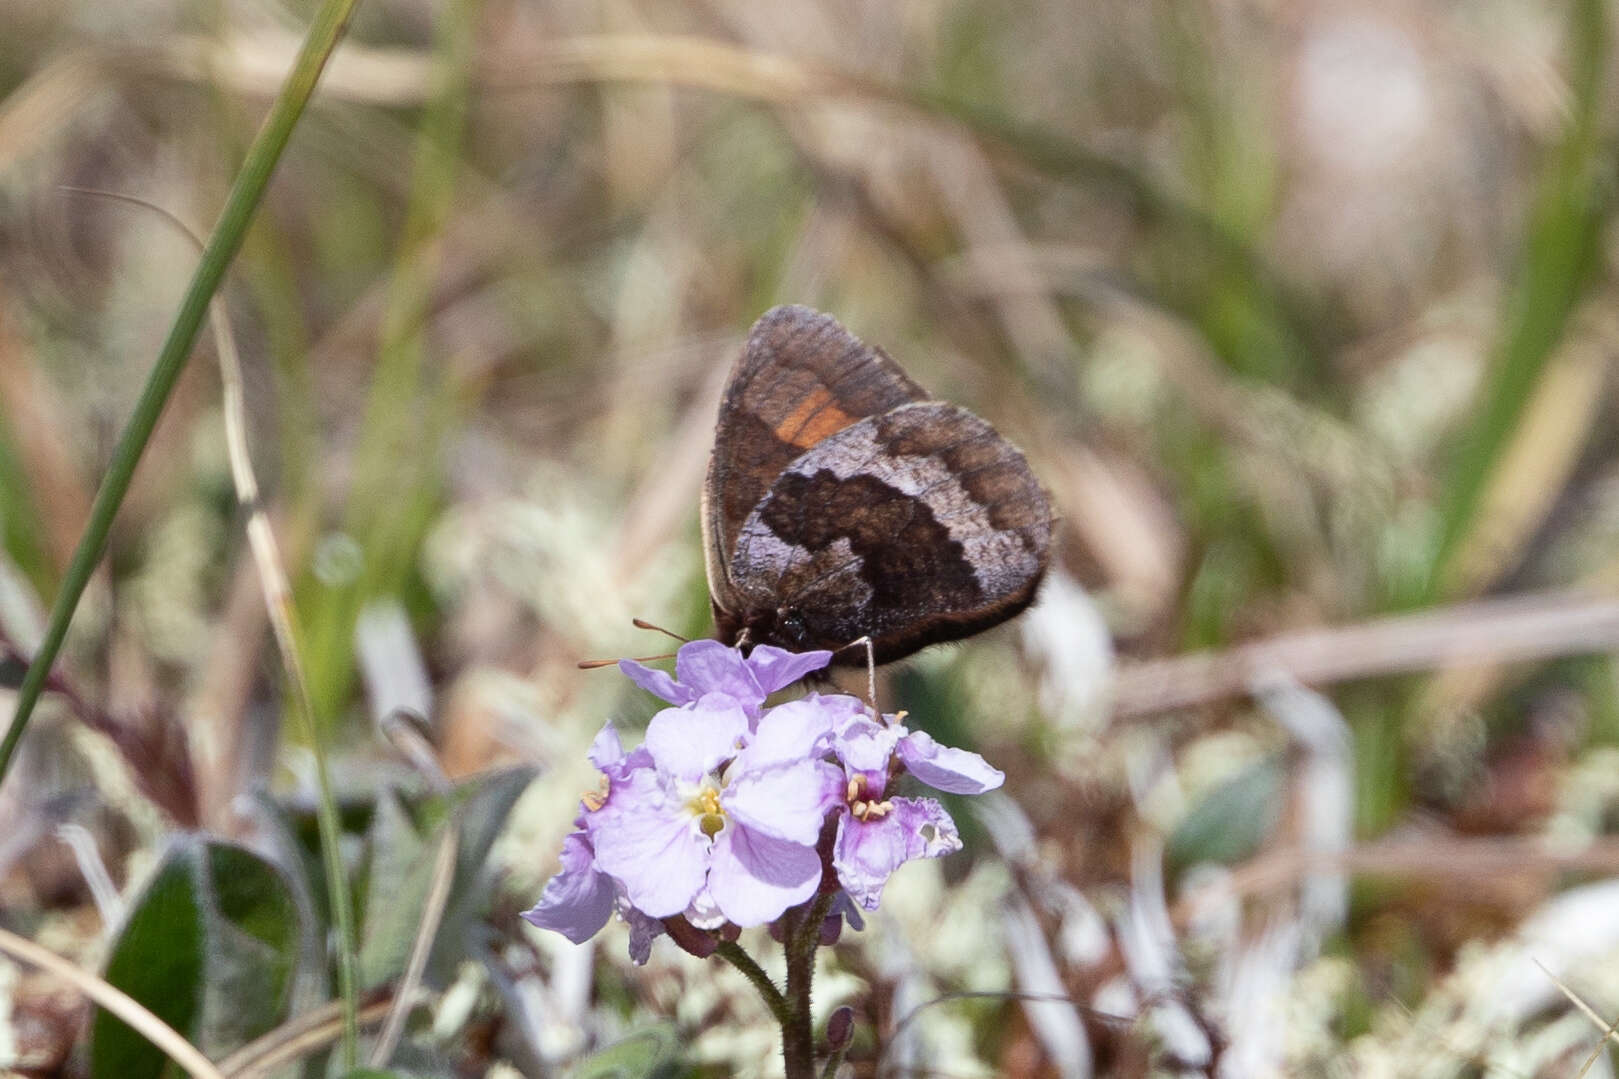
x=577, y=901
x=716, y=676
x=720, y=815
x=877, y=834
x=720, y=825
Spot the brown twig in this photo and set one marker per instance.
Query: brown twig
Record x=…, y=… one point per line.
x=1442, y=858
x=1515, y=629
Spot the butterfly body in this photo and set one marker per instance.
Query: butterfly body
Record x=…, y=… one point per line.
x=842, y=502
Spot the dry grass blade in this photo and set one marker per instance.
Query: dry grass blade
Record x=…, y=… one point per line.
x=420, y=753
x=438, y=895
x=396, y=76
x=261, y=541
x=1610, y=1031
x=1525, y=627
x=153, y=1029
x=308, y=1033
x=1448, y=858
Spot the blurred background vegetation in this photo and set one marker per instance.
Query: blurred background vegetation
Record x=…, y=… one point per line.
x=1304, y=313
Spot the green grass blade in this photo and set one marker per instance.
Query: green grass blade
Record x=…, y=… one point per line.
x=1559, y=263
x=244, y=198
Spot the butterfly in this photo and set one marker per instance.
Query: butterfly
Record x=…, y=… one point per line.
x=843, y=502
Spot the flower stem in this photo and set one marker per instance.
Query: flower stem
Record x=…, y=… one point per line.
x=833, y=1063
x=798, y=1035
x=733, y=954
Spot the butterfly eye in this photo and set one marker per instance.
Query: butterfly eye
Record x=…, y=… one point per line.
x=791, y=625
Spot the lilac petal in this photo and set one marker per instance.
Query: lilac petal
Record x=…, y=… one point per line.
x=776, y=668
x=656, y=682
x=703, y=912
x=843, y=906
x=788, y=801
x=789, y=732
x=643, y=931
x=577, y=901
x=957, y=771
x=690, y=742
x=712, y=667
x=755, y=878
x=866, y=853
x=607, y=751
x=931, y=832
x=866, y=746
x=647, y=839
x=842, y=708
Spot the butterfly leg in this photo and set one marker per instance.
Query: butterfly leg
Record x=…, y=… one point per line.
x=871, y=673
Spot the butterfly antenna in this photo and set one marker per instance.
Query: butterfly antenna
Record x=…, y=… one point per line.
x=597, y=664
x=641, y=623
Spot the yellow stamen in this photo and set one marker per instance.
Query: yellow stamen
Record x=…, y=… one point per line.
x=594, y=800
x=711, y=815
x=864, y=811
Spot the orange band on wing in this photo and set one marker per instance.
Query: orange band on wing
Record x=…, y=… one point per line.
x=812, y=420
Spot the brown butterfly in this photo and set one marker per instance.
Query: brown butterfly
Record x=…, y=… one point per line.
x=842, y=502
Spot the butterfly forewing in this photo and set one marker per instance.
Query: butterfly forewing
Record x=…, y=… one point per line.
x=801, y=378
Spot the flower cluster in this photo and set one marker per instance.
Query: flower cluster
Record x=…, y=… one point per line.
x=731, y=813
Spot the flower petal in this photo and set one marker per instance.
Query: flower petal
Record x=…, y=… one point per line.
x=647, y=839
x=789, y=732
x=690, y=742
x=866, y=853
x=788, y=801
x=956, y=771
x=755, y=878
x=865, y=746
x=656, y=682
x=702, y=912
x=577, y=901
x=775, y=668
x=930, y=831
x=643, y=931
x=607, y=751
x=711, y=667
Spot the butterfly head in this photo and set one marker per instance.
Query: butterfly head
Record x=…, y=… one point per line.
x=783, y=627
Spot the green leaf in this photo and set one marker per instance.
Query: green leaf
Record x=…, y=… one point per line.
x=644, y=1054
x=157, y=960
x=1232, y=820
x=209, y=946
x=253, y=943
x=402, y=849
x=396, y=882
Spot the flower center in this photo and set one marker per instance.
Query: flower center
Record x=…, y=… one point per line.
x=865, y=809
x=710, y=815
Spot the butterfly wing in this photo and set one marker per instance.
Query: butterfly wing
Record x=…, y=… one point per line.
x=915, y=526
x=801, y=378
